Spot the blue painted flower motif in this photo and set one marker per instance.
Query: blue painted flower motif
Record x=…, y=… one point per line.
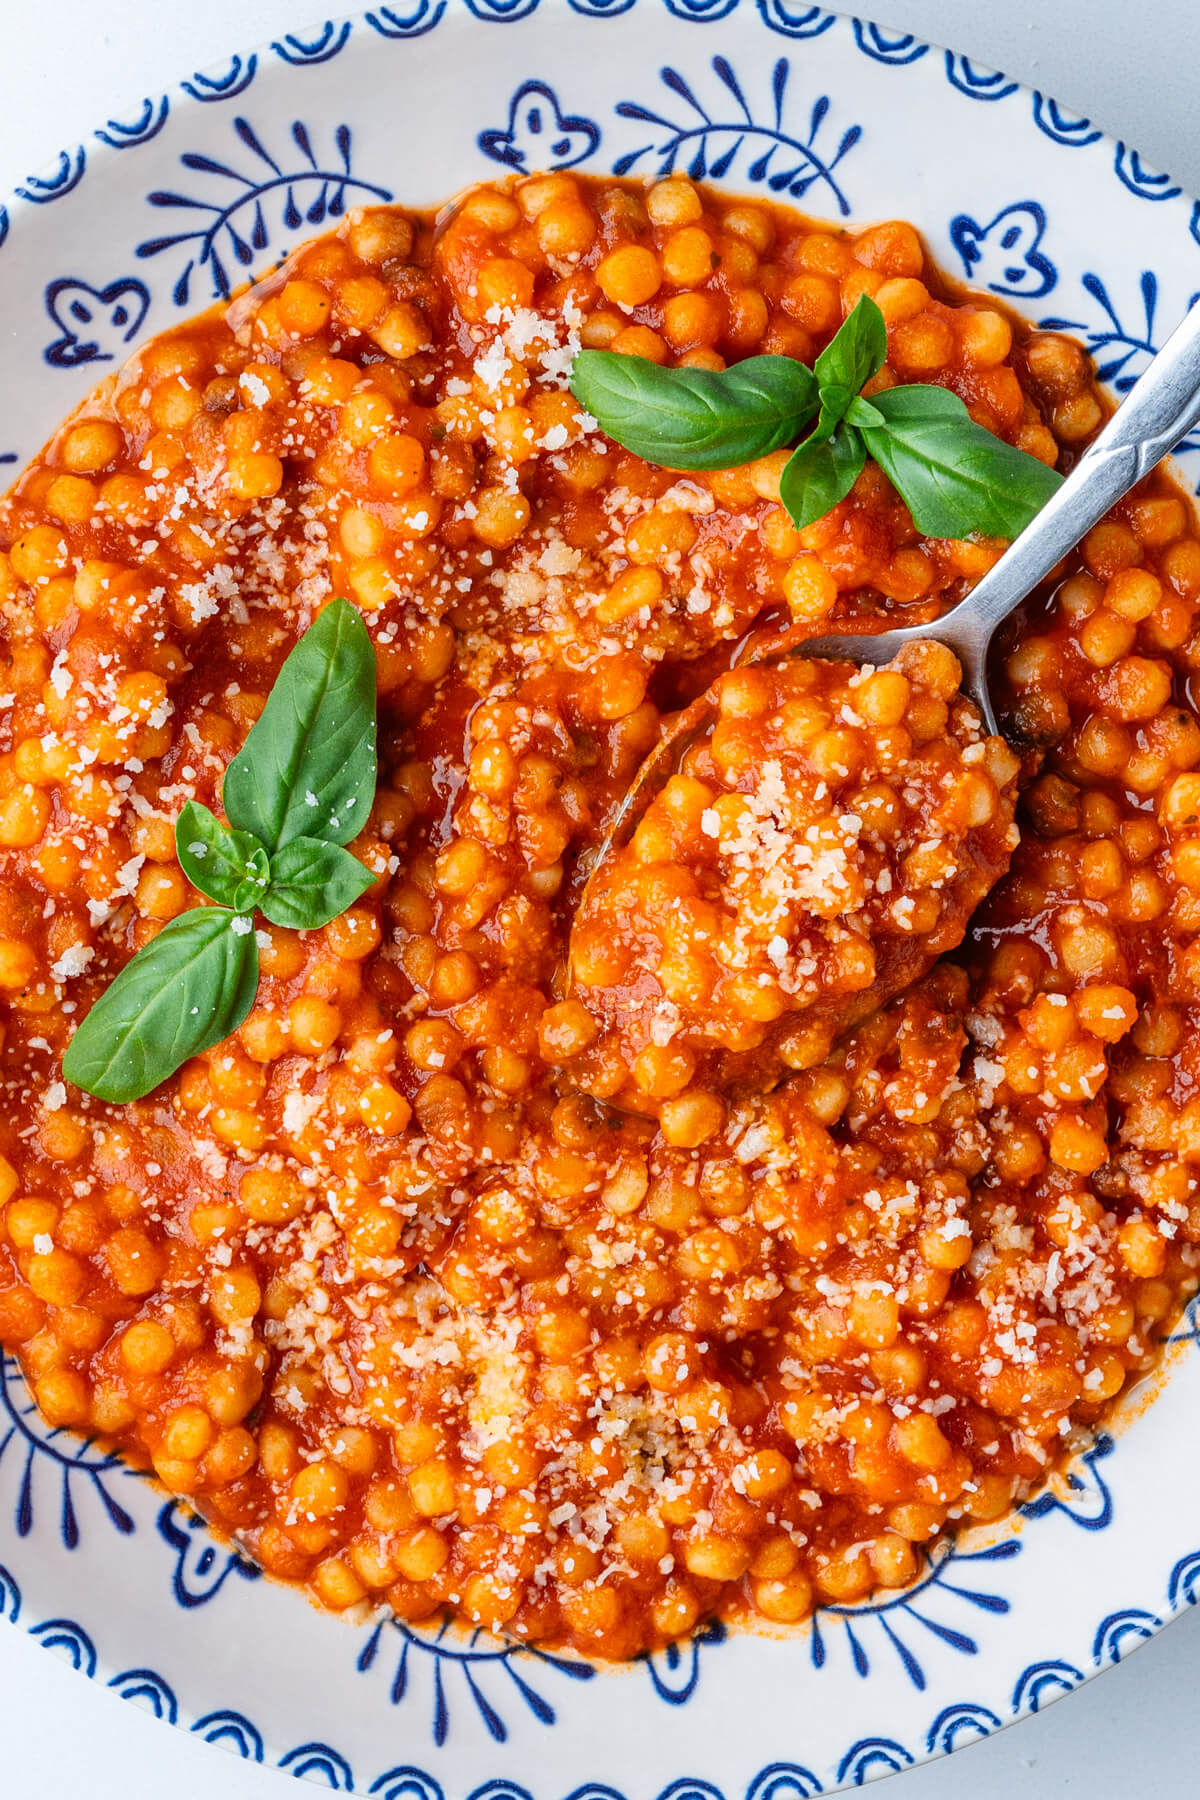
x=202, y=1566
x=473, y=1664
x=235, y=226
x=1005, y=255
x=47, y=1449
x=1121, y=351
x=94, y=324
x=539, y=135
x=1082, y=1494
x=708, y=143
x=889, y=1619
x=675, y=1670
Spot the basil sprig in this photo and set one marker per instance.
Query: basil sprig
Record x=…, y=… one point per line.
x=299, y=789
x=954, y=476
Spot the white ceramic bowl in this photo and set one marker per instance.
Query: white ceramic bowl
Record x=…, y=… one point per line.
x=162, y=209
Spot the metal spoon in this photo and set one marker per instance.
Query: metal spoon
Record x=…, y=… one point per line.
x=1159, y=410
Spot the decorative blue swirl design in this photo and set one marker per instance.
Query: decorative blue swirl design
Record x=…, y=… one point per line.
x=1090, y=1503
x=872, y=1757
x=40, y=190
x=1183, y=1586
x=233, y=1731
x=222, y=234
x=389, y=22
x=149, y=1691
x=1042, y=1682
x=1121, y=352
x=147, y=125
x=1147, y=184
x=331, y=41
x=675, y=1670
x=94, y=324
x=23, y=1429
x=202, y=1566
x=784, y=1781
x=796, y=21
x=1005, y=255
x=977, y=83
x=958, y=1724
x=1113, y=1634
x=69, y=1641
x=539, y=135
x=1060, y=126
x=317, y=1762
x=502, y=12
x=206, y=84
x=701, y=12
x=10, y=1596
x=468, y=1662
x=691, y=143
x=911, y=1606
x=881, y=45
x=405, y=1784
x=3, y=223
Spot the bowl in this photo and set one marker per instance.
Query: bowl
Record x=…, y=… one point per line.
x=171, y=204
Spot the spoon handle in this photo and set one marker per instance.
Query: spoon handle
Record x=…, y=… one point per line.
x=1160, y=409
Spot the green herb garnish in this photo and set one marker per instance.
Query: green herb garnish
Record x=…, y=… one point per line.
x=298, y=790
x=954, y=476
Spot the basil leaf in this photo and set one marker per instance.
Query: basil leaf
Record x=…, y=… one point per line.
x=312, y=883
x=861, y=412
x=856, y=352
x=696, y=418
x=308, y=767
x=218, y=861
x=190, y=987
x=820, y=473
x=954, y=476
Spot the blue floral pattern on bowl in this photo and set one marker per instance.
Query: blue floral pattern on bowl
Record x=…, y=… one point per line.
x=215, y=181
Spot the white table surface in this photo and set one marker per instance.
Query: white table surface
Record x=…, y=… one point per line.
x=1130, y=65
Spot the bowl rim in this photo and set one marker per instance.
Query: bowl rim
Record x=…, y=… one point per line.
x=321, y=42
